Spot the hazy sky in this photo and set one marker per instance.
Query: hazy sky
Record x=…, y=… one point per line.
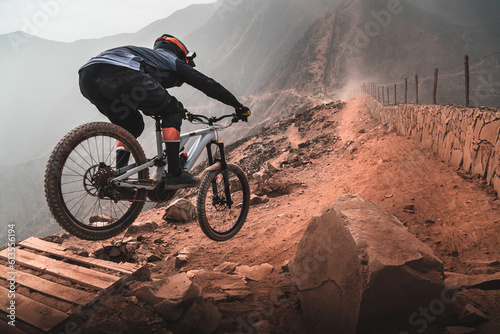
x=69, y=20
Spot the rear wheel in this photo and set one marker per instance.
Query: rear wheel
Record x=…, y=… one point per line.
x=223, y=202
x=77, y=187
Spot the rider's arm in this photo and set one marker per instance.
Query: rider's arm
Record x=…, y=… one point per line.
x=205, y=84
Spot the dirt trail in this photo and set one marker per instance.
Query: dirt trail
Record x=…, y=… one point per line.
x=326, y=153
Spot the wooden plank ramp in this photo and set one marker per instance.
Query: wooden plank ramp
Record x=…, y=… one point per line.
x=52, y=283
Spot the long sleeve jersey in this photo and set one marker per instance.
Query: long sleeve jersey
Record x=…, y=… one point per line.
x=164, y=66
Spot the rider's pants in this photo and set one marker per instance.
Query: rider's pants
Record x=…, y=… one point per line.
x=119, y=93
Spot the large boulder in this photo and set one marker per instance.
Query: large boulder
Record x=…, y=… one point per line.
x=357, y=259
x=327, y=273
x=401, y=275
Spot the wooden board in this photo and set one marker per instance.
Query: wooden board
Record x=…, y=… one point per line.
x=36, y=283
x=53, y=260
x=9, y=329
x=58, y=250
x=37, y=314
x=80, y=275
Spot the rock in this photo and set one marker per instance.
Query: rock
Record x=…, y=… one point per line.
x=273, y=188
x=285, y=266
x=483, y=267
x=152, y=257
x=100, y=219
x=181, y=260
x=83, y=253
x=227, y=267
x=170, y=296
x=220, y=280
x=132, y=299
x=356, y=249
x=471, y=315
x=490, y=132
x=201, y=317
x=262, y=327
x=216, y=297
x=459, y=330
x=261, y=176
x=180, y=210
x=142, y=227
x=131, y=247
x=399, y=276
x=255, y=200
x=327, y=274
x=255, y=273
x=238, y=294
x=127, y=240
x=269, y=167
x=56, y=238
x=187, y=250
x=485, y=282
x=114, y=252
x=193, y=273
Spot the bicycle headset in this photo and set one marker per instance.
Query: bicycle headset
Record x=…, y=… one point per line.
x=170, y=43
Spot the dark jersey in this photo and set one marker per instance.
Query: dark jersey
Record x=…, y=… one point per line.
x=165, y=67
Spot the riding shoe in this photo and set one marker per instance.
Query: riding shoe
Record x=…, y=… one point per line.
x=184, y=180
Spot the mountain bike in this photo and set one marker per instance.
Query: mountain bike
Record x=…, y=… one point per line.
x=92, y=199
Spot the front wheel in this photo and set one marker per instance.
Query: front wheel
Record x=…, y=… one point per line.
x=223, y=202
x=77, y=182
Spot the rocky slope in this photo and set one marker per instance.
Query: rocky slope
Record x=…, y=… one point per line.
x=299, y=166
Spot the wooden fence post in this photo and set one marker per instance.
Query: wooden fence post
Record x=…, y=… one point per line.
x=383, y=96
x=416, y=88
x=406, y=90
x=467, y=78
x=388, y=102
x=434, y=92
x=395, y=94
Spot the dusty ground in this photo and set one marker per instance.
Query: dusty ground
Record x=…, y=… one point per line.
x=322, y=154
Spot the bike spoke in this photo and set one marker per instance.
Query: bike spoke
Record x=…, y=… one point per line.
x=89, y=152
x=97, y=149
x=79, y=197
x=110, y=152
x=82, y=159
x=81, y=205
x=74, y=171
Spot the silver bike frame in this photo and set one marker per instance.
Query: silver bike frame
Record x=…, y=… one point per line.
x=205, y=136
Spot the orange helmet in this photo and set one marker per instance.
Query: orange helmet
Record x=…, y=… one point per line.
x=171, y=43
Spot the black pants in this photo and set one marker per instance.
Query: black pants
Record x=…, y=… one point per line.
x=119, y=93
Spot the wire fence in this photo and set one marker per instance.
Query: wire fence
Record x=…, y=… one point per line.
x=473, y=83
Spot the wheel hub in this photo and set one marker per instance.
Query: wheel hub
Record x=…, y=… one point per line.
x=97, y=181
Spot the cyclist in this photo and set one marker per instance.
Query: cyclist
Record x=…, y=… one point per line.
x=124, y=80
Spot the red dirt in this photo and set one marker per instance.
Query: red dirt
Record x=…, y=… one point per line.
x=349, y=153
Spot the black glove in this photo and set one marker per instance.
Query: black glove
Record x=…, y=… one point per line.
x=243, y=113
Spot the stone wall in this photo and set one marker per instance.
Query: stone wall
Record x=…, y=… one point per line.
x=466, y=138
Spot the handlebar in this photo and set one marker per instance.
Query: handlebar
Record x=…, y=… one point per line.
x=210, y=120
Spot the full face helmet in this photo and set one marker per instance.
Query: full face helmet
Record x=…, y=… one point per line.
x=172, y=44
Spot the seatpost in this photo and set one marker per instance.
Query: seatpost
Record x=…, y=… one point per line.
x=159, y=138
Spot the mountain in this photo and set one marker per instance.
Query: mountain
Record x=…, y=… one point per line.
x=278, y=57
x=369, y=42
x=43, y=82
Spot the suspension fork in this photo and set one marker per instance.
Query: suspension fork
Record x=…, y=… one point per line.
x=224, y=171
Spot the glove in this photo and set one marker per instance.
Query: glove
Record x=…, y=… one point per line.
x=243, y=113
